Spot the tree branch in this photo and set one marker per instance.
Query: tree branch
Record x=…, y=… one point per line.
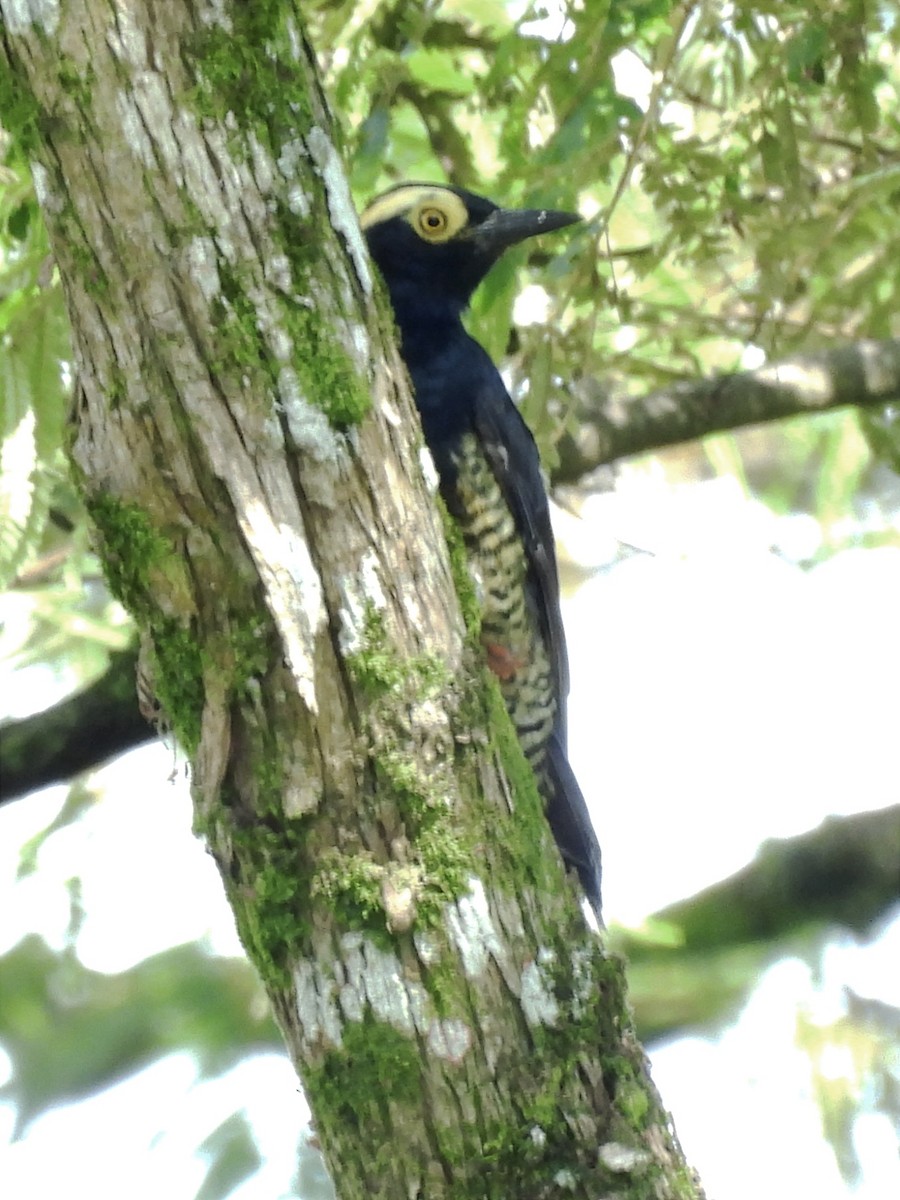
x=846, y=872
x=716, y=944
x=609, y=427
x=78, y=734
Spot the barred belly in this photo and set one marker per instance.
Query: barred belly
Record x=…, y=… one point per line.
x=516, y=650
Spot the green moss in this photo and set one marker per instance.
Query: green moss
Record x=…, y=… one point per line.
x=327, y=376
x=133, y=547
x=95, y=282
x=376, y=666
x=592, y=994
x=269, y=862
x=419, y=780
x=515, y=765
x=269, y=780
x=525, y=833
x=352, y=885
x=249, y=653
x=417, y=795
x=323, y=366
x=633, y=1103
x=421, y=792
x=236, y=320
x=418, y=791
x=445, y=986
x=534, y=1152
x=238, y=75
x=376, y=1066
x=379, y=669
x=597, y=994
x=272, y=907
x=76, y=81
x=462, y=577
x=178, y=680
x=530, y=1155
x=266, y=92
x=270, y=885
x=135, y=555
x=139, y=563
x=525, y=1158
x=325, y=371
x=447, y=862
x=405, y=777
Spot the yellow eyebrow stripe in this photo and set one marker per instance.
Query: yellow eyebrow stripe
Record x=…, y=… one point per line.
x=407, y=200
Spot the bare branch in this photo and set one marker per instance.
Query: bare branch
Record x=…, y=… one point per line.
x=845, y=873
x=78, y=734
x=608, y=427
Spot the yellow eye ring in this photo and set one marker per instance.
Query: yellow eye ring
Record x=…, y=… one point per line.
x=432, y=223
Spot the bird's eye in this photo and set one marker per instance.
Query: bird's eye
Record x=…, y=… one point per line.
x=432, y=223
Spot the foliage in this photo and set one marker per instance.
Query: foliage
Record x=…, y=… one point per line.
x=691, y=136
x=33, y=349
x=59, y=612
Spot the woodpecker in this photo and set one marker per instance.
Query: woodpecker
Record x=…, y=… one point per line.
x=433, y=245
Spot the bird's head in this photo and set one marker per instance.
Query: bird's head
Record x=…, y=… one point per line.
x=437, y=243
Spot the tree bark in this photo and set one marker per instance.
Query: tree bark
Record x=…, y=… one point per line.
x=247, y=448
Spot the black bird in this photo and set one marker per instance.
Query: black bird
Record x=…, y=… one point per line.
x=434, y=245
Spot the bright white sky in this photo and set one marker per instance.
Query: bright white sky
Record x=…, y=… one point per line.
x=720, y=696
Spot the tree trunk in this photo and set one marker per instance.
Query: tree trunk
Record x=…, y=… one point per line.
x=246, y=444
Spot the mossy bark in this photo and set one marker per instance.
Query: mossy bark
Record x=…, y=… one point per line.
x=245, y=441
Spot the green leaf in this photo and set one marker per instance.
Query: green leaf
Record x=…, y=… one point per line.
x=19, y=220
x=32, y=411
x=232, y=1156
x=440, y=71
x=805, y=53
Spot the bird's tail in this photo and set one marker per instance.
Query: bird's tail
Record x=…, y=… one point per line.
x=571, y=824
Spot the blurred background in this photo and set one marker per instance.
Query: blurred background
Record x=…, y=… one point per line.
x=731, y=605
